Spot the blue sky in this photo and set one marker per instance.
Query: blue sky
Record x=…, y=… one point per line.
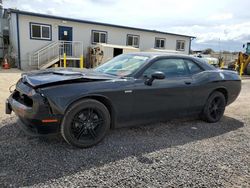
x=217, y=24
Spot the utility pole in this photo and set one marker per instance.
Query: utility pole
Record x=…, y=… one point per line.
x=1, y=30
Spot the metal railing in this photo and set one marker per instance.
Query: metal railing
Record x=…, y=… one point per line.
x=54, y=51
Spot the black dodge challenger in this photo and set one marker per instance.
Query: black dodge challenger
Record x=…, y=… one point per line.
x=130, y=89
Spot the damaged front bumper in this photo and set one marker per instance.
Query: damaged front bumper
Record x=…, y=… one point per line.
x=33, y=110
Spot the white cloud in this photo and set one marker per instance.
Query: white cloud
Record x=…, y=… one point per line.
x=52, y=11
x=60, y=2
x=237, y=34
x=27, y=7
x=208, y=20
x=221, y=16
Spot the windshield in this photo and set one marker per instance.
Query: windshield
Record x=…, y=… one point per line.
x=123, y=65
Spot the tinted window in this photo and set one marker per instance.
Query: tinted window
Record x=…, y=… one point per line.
x=204, y=64
x=170, y=67
x=36, y=32
x=103, y=38
x=159, y=43
x=133, y=40
x=162, y=43
x=99, y=37
x=45, y=32
x=193, y=68
x=130, y=40
x=96, y=37
x=136, y=42
x=180, y=45
x=39, y=31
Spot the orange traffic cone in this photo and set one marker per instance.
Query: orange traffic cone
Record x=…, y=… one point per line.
x=6, y=64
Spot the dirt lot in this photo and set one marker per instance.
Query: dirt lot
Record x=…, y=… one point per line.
x=183, y=153
x=7, y=79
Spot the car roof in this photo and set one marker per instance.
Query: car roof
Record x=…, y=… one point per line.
x=153, y=55
x=160, y=54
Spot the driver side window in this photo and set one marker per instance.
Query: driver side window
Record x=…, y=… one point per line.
x=170, y=67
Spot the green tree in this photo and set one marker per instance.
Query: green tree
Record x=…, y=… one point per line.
x=208, y=51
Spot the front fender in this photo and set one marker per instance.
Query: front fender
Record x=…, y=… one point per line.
x=62, y=96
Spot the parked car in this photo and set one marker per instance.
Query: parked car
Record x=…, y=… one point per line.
x=210, y=60
x=130, y=89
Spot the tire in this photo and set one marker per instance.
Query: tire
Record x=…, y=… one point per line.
x=85, y=123
x=214, y=107
x=248, y=69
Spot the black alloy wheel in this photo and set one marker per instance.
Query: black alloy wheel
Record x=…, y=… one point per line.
x=85, y=123
x=214, y=108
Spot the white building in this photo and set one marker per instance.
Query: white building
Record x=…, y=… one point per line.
x=1, y=31
x=38, y=39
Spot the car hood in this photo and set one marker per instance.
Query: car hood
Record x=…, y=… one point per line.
x=57, y=76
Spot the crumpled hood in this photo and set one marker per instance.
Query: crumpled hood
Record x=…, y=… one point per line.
x=57, y=76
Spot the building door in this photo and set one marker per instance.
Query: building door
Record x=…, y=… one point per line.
x=65, y=34
x=117, y=51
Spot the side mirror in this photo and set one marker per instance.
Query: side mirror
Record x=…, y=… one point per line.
x=156, y=75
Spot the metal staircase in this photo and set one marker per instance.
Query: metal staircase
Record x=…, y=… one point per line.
x=53, y=53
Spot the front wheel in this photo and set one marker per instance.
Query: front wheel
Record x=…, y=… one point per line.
x=214, y=107
x=85, y=123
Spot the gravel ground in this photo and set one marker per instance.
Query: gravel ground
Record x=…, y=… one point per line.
x=180, y=153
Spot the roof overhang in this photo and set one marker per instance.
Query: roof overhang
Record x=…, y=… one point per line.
x=92, y=22
x=116, y=46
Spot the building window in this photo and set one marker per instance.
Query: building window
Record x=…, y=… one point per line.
x=160, y=42
x=99, y=37
x=40, y=31
x=180, y=45
x=133, y=40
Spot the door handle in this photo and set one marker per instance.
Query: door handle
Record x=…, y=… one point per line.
x=187, y=82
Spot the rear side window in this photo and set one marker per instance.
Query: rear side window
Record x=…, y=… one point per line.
x=170, y=67
x=193, y=67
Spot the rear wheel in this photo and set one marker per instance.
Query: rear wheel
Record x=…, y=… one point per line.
x=214, y=108
x=85, y=123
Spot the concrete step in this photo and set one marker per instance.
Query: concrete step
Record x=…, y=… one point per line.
x=48, y=64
